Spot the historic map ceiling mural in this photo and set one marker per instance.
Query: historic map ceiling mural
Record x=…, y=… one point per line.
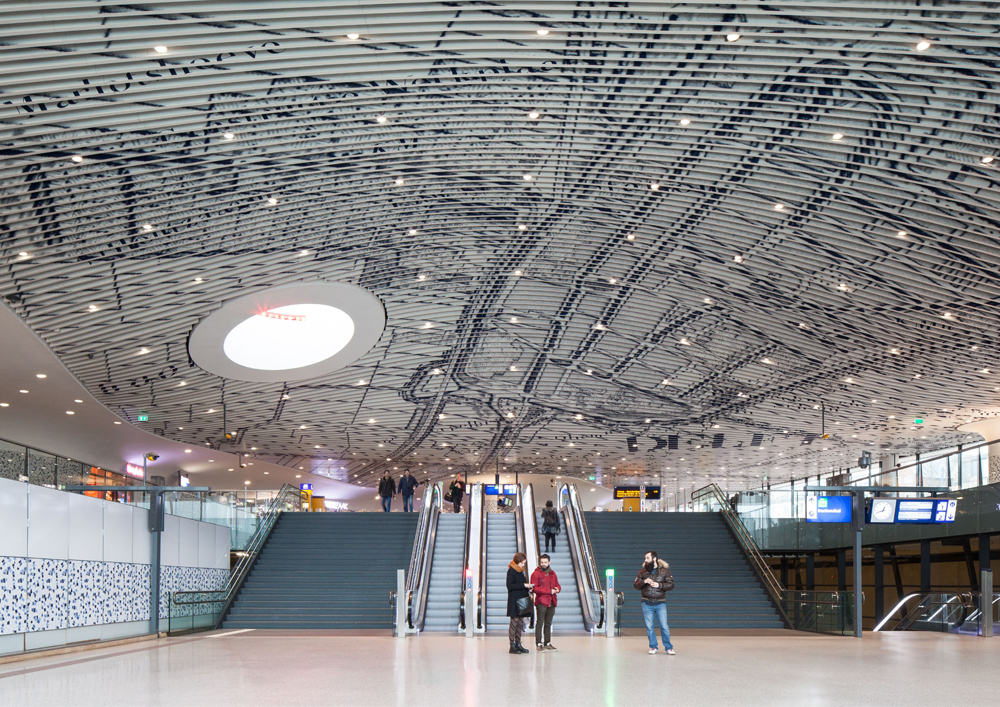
x=610, y=238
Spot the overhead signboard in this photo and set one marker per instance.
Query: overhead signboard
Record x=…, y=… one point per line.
x=623, y=492
x=883, y=510
x=915, y=510
x=500, y=489
x=183, y=480
x=828, y=509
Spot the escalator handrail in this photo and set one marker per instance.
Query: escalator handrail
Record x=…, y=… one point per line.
x=591, y=561
x=910, y=616
x=577, y=552
x=481, y=609
x=529, y=525
x=465, y=565
x=421, y=578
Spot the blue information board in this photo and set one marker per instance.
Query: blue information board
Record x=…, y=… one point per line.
x=828, y=509
x=926, y=510
x=500, y=490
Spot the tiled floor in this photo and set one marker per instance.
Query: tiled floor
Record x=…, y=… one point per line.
x=286, y=668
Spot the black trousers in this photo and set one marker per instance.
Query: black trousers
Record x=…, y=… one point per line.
x=550, y=538
x=543, y=620
x=456, y=504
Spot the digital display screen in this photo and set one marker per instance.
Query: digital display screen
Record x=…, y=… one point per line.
x=828, y=509
x=883, y=510
x=915, y=510
x=944, y=511
x=184, y=480
x=500, y=490
x=621, y=492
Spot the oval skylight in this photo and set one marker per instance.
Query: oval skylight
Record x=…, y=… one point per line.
x=289, y=337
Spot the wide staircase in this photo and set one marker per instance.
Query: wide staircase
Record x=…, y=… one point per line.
x=445, y=590
x=326, y=570
x=715, y=587
x=568, y=616
x=501, y=546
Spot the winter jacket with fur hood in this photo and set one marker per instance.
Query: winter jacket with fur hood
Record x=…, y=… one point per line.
x=661, y=575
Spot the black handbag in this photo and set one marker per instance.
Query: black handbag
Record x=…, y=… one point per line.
x=448, y=498
x=525, y=607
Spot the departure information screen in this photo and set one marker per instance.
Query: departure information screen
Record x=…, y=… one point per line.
x=916, y=510
x=500, y=489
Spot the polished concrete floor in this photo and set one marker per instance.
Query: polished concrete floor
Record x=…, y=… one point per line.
x=287, y=668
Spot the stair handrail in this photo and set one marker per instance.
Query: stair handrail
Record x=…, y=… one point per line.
x=417, y=592
x=266, y=521
x=529, y=524
x=749, y=546
x=578, y=551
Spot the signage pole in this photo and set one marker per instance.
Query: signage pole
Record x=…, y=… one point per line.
x=859, y=524
x=609, y=604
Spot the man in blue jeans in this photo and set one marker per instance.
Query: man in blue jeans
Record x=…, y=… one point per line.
x=386, y=490
x=407, y=485
x=654, y=581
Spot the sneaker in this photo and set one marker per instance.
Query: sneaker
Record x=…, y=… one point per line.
x=652, y=651
x=550, y=647
x=539, y=647
x=670, y=651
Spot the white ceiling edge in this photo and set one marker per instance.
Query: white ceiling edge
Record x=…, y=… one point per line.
x=39, y=420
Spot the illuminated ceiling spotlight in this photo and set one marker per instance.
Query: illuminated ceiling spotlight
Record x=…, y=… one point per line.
x=353, y=35
x=147, y=227
x=947, y=315
x=732, y=37
x=737, y=258
x=578, y=417
x=923, y=45
x=380, y=119
x=685, y=121
x=779, y=207
x=160, y=49
x=521, y=227
x=987, y=160
x=541, y=32
x=654, y=186
x=534, y=115
x=838, y=136
x=272, y=201
x=527, y=177
x=510, y=414
x=229, y=136
x=77, y=158
x=630, y=237
x=400, y=181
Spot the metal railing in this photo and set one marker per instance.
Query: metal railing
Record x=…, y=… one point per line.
x=481, y=596
x=584, y=565
x=817, y=611
x=946, y=612
x=287, y=498
x=422, y=558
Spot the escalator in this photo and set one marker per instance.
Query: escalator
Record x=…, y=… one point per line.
x=443, y=611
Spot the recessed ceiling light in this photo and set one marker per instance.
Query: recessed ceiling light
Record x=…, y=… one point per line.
x=147, y=227
x=612, y=280
x=738, y=258
x=521, y=227
x=654, y=186
x=664, y=382
x=143, y=350
x=921, y=46
x=160, y=49
x=70, y=412
x=685, y=121
x=517, y=272
x=542, y=32
x=421, y=277
x=413, y=231
x=946, y=315
x=527, y=177
x=513, y=320
x=400, y=182
x=838, y=136
x=92, y=308
x=436, y=372
x=987, y=160
x=974, y=348
x=630, y=237
x=768, y=361
x=77, y=401
x=353, y=35
x=685, y=342
x=4, y=405
x=380, y=119
x=513, y=368
x=40, y=375
x=510, y=414
x=894, y=351
x=229, y=136
x=272, y=201
x=117, y=422
x=599, y=326
x=732, y=37
x=534, y=115
x=779, y=207
x=77, y=158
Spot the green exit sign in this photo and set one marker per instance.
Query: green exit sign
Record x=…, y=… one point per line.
x=918, y=421
x=143, y=418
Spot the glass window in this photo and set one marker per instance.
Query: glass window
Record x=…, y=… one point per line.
x=12, y=462
x=970, y=469
x=41, y=469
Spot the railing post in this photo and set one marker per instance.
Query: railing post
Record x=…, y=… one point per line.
x=986, y=603
x=400, y=603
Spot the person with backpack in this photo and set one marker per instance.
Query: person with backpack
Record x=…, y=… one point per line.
x=386, y=490
x=455, y=493
x=550, y=525
x=654, y=581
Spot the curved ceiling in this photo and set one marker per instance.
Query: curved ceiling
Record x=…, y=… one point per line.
x=608, y=236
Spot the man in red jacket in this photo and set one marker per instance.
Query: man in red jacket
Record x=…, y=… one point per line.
x=546, y=587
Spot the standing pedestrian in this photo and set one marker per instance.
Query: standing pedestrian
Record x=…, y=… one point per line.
x=386, y=490
x=456, y=491
x=545, y=587
x=550, y=525
x=407, y=485
x=654, y=581
x=517, y=589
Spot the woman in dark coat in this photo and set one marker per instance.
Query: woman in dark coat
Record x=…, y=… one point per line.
x=517, y=588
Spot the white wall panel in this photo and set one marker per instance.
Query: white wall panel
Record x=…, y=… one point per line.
x=170, y=542
x=48, y=523
x=223, y=538
x=188, y=548
x=86, y=527
x=13, y=518
x=206, y=545
x=117, y=532
x=141, y=547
